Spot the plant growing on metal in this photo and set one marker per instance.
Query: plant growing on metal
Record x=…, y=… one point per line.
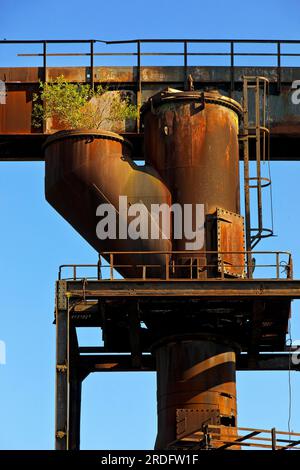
x=79, y=106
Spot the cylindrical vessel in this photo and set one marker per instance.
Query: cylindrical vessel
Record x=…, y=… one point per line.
x=196, y=386
x=85, y=169
x=193, y=143
x=191, y=139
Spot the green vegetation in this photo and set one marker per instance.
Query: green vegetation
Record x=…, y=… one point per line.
x=78, y=106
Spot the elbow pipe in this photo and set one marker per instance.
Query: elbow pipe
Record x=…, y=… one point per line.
x=84, y=170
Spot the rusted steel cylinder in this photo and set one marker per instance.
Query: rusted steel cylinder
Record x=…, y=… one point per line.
x=85, y=169
x=196, y=386
x=191, y=139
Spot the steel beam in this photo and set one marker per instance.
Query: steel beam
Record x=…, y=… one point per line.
x=123, y=363
x=212, y=288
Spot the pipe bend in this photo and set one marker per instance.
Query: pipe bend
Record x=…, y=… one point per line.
x=84, y=170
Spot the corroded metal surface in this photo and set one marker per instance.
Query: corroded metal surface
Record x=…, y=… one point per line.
x=194, y=377
x=191, y=139
x=230, y=233
x=84, y=170
x=195, y=150
x=15, y=114
x=284, y=115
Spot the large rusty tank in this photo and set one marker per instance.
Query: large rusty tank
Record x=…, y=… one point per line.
x=191, y=139
x=85, y=169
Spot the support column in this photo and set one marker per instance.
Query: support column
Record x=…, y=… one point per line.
x=74, y=392
x=62, y=371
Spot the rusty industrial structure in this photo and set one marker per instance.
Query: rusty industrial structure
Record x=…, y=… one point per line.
x=193, y=316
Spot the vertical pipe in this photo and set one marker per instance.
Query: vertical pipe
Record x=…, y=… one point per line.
x=195, y=386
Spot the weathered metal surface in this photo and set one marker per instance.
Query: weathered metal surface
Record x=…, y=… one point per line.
x=195, y=150
x=284, y=115
x=230, y=234
x=83, y=171
x=28, y=147
x=151, y=74
x=198, y=376
x=15, y=114
x=200, y=288
x=165, y=314
x=191, y=139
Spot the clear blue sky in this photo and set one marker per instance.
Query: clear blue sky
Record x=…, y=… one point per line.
x=118, y=411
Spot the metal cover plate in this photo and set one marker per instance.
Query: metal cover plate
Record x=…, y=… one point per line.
x=230, y=236
x=190, y=420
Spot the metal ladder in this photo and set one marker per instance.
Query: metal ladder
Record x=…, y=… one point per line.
x=259, y=131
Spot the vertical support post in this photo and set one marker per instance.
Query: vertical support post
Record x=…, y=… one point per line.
x=99, y=264
x=246, y=178
x=44, y=61
x=222, y=265
x=144, y=271
x=139, y=85
x=277, y=265
x=92, y=63
x=273, y=434
x=185, y=65
x=278, y=67
x=134, y=335
x=44, y=78
x=231, y=68
x=75, y=391
x=62, y=367
x=111, y=263
x=167, y=267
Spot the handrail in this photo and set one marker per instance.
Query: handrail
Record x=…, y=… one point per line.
x=232, y=53
x=167, y=271
x=209, y=436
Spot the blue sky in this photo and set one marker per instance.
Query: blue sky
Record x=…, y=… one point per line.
x=118, y=411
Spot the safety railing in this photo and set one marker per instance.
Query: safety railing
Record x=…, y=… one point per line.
x=213, y=437
x=232, y=52
x=182, y=265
